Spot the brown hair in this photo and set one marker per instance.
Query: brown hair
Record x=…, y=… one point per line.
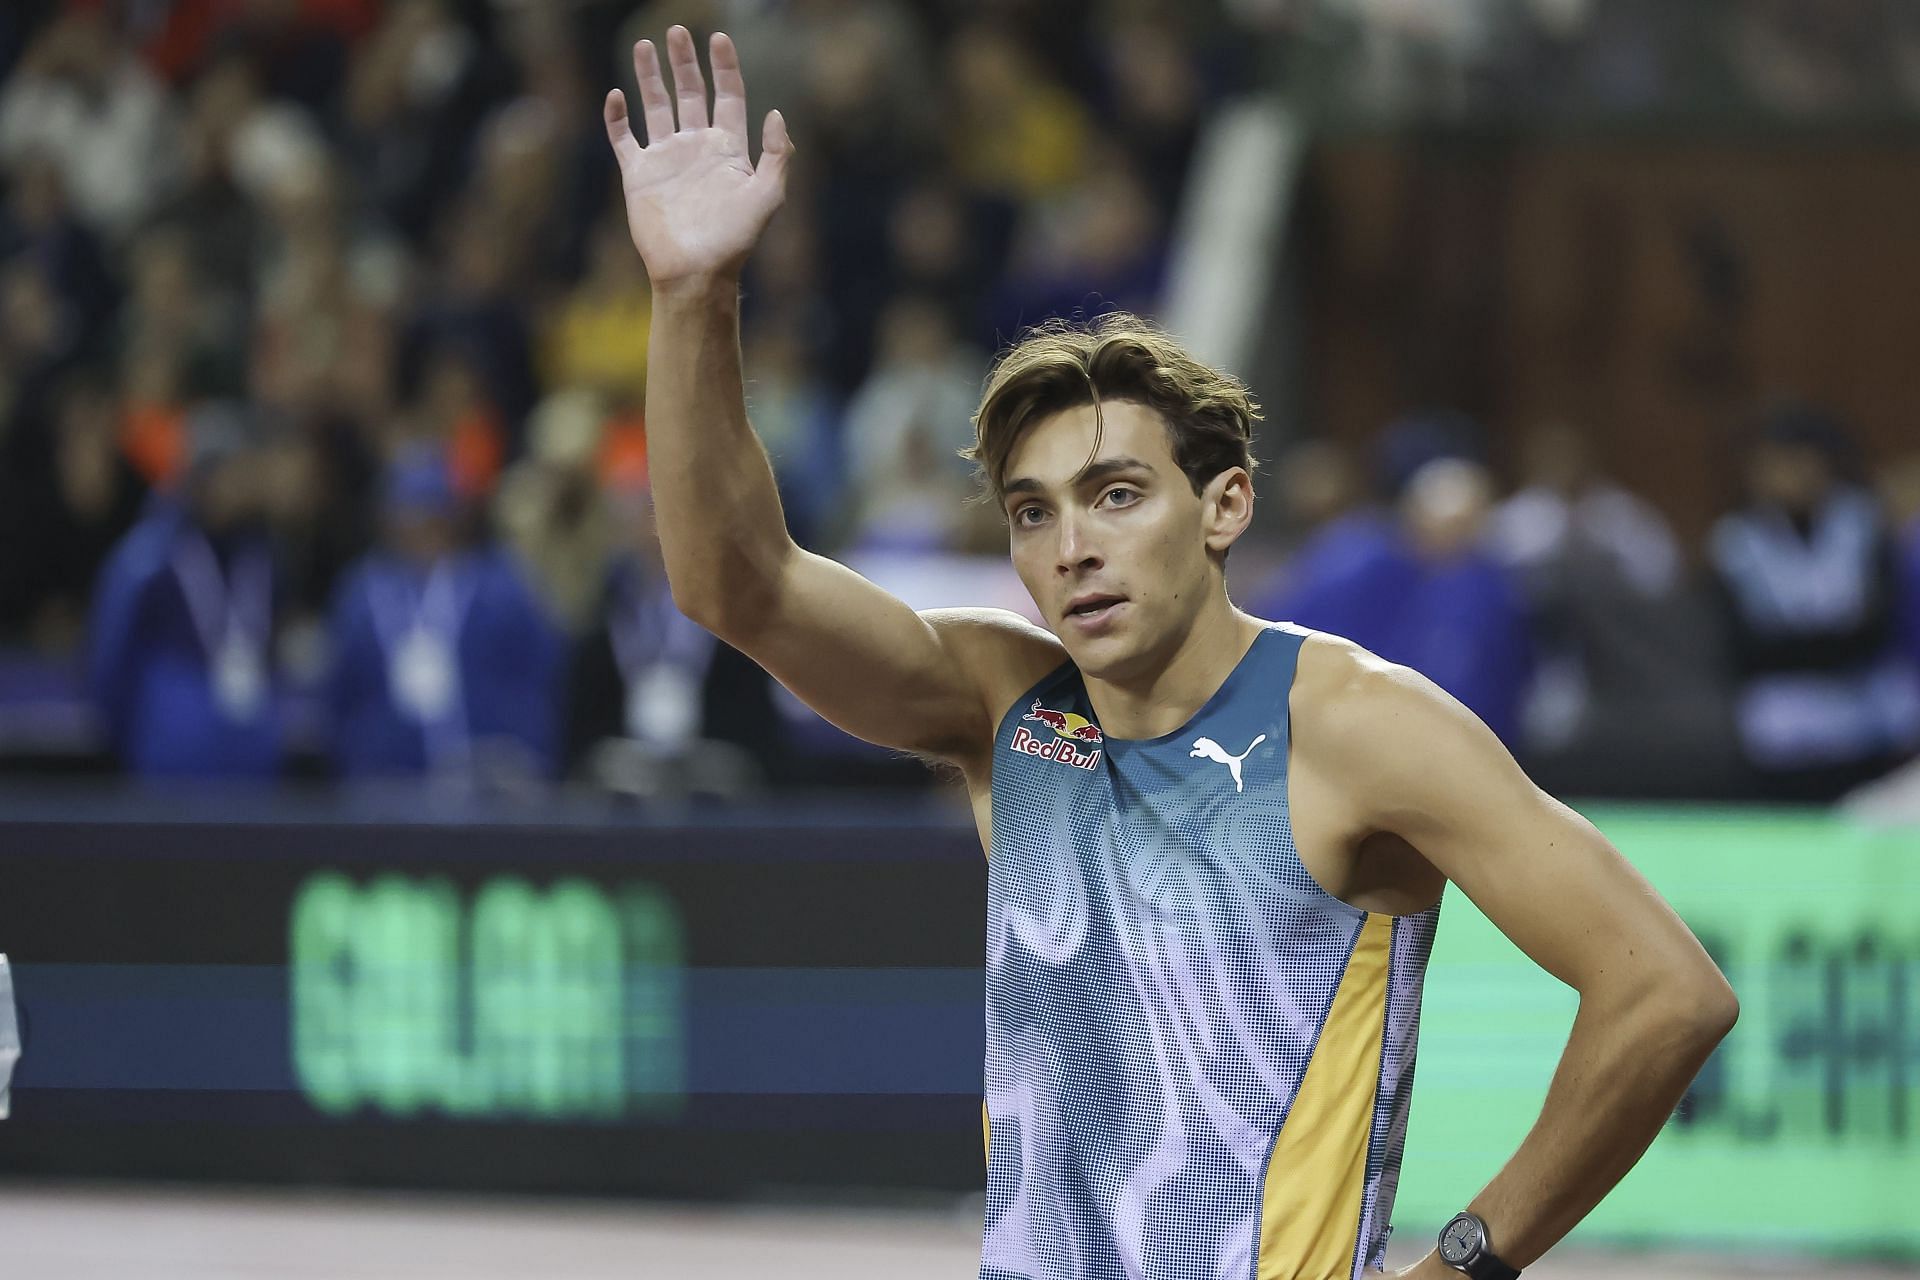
x=1063, y=365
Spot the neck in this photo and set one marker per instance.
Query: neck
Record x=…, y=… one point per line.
x=1180, y=681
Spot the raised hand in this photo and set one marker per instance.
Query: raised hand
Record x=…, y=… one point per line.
x=695, y=203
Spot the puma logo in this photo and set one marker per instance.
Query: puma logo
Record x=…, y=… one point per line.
x=1207, y=748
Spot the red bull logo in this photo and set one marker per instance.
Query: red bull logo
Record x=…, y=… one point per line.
x=1064, y=745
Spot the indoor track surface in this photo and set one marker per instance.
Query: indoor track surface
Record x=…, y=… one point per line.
x=144, y=1234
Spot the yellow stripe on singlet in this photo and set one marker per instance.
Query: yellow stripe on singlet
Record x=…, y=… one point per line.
x=1316, y=1176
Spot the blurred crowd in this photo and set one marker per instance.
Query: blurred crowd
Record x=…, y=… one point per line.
x=323, y=353
x=322, y=372
x=1506, y=60
x=1780, y=660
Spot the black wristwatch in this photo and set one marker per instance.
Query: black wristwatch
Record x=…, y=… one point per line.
x=1464, y=1247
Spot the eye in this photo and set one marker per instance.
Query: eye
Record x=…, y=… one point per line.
x=1031, y=509
x=1112, y=496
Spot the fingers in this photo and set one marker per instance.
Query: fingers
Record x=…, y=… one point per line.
x=689, y=86
x=776, y=149
x=619, y=132
x=729, y=89
x=654, y=99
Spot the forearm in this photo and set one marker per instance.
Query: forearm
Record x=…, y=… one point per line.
x=723, y=535
x=1623, y=1072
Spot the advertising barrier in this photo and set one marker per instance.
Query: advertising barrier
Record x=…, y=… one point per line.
x=774, y=1001
x=1803, y=1129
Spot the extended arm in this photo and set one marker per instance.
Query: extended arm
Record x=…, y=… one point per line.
x=863, y=659
x=1652, y=1004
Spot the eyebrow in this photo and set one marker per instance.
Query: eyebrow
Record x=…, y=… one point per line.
x=1092, y=473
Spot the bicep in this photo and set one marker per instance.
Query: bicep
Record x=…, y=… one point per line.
x=865, y=661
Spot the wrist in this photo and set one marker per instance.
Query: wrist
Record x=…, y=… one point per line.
x=697, y=293
x=1466, y=1246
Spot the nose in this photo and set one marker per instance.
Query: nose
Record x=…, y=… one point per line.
x=1078, y=551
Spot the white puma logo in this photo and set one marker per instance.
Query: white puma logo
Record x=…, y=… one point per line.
x=1211, y=750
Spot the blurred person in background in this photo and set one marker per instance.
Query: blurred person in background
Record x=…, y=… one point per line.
x=799, y=422
x=453, y=409
x=38, y=339
x=412, y=95
x=1417, y=582
x=1463, y=626
x=1013, y=131
x=1352, y=570
x=1319, y=485
x=471, y=313
x=37, y=223
x=934, y=250
x=645, y=673
x=1099, y=244
x=326, y=294
x=1807, y=574
x=216, y=207
x=1630, y=689
x=81, y=97
x=1154, y=93
x=442, y=661
x=901, y=432
x=538, y=155
x=551, y=512
x=181, y=644
x=586, y=340
x=868, y=67
x=167, y=306
x=1348, y=577
x=153, y=415
x=63, y=508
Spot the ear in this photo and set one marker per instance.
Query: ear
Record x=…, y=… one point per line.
x=1227, y=508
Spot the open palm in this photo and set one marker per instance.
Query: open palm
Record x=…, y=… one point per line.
x=695, y=203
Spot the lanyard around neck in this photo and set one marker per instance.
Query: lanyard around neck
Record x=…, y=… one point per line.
x=225, y=608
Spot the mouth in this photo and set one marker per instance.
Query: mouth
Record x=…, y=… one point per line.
x=1094, y=611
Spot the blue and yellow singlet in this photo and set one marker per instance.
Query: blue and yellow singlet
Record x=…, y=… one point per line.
x=1199, y=1062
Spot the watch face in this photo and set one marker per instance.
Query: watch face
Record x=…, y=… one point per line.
x=1460, y=1241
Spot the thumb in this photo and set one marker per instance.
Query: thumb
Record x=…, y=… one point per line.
x=776, y=149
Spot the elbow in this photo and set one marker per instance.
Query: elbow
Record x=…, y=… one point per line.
x=1724, y=1011
x=1705, y=1011
x=698, y=606
x=710, y=613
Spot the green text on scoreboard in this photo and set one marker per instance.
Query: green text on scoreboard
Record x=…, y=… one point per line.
x=509, y=1001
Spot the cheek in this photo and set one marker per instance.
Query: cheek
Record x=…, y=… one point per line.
x=1029, y=563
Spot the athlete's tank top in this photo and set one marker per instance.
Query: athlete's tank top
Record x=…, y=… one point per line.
x=1199, y=1062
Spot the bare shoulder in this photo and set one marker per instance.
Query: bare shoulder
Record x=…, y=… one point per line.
x=1340, y=687
x=1387, y=736
x=1001, y=653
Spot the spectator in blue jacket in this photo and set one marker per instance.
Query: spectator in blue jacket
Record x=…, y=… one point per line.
x=443, y=662
x=1417, y=583
x=181, y=638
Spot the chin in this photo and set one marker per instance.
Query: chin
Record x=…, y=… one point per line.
x=1109, y=657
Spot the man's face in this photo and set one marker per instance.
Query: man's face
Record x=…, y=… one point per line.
x=227, y=495
x=1794, y=477
x=1116, y=550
